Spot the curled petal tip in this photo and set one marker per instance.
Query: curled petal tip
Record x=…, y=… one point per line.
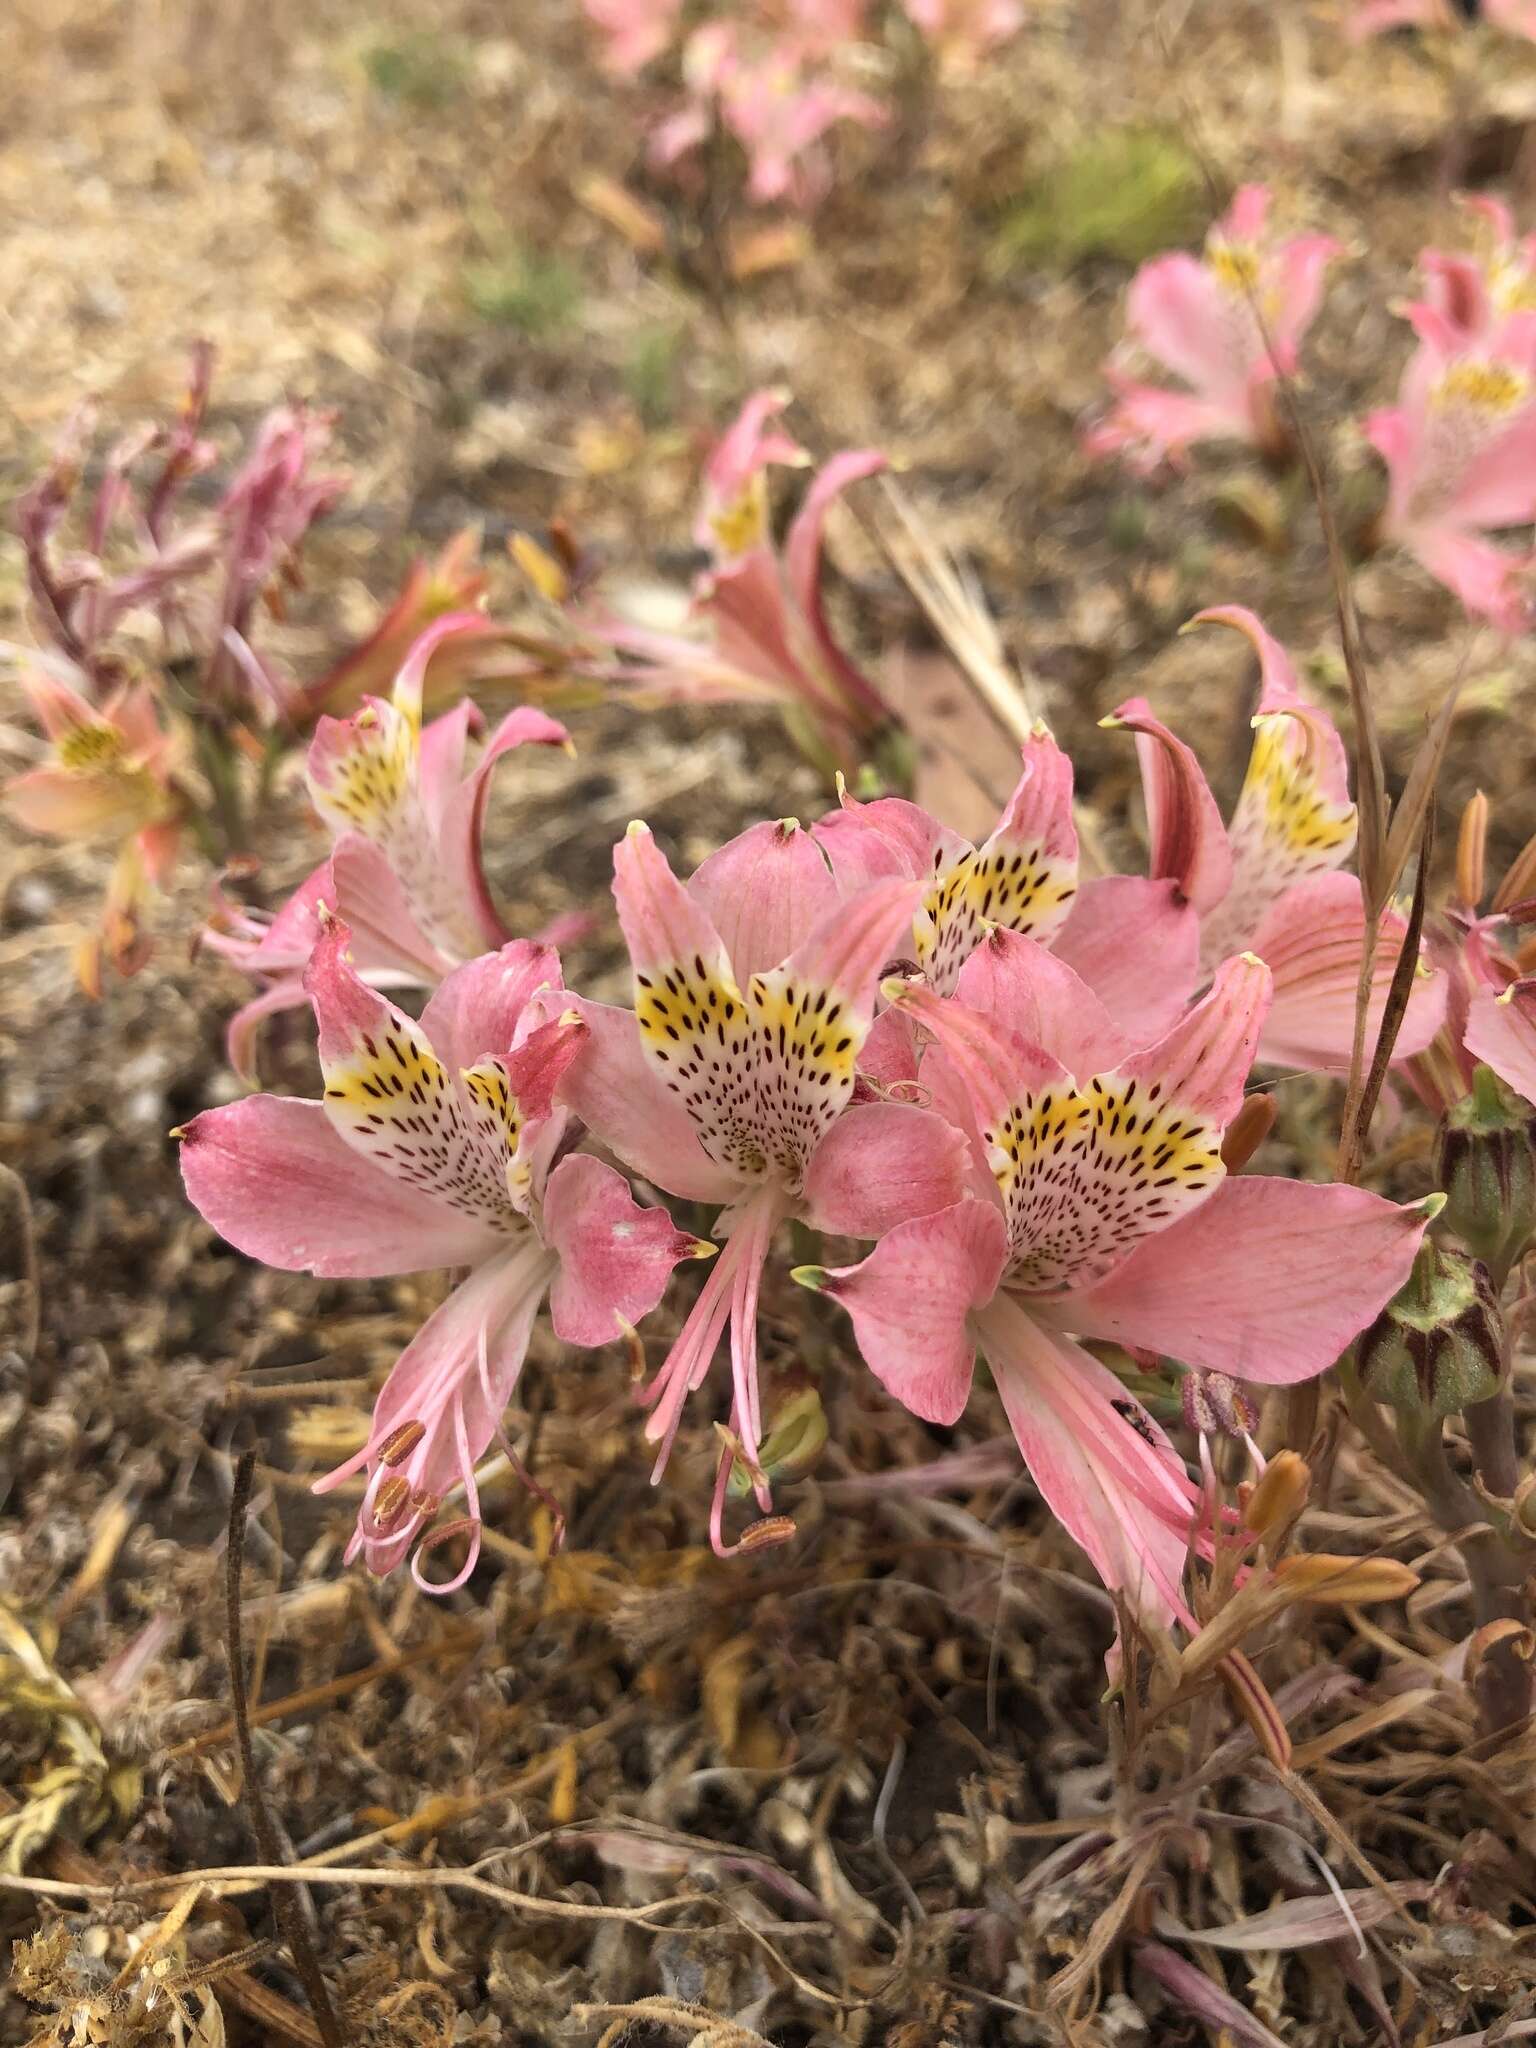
x=701, y=1248
x=567, y=747
x=895, y=988
x=788, y=827
x=637, y=829
x=179, y=1131
x=814, y=1277
x=1431, y=1205
x=1112, y=721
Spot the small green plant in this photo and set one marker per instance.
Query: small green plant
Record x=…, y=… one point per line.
x=1125, y=192
x=538, y=294
x=418, y=68
x=650, y=374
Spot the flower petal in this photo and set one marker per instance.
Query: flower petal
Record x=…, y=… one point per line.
x=480, y=1006
x=1020, y=987
x=912, y=1299
x=1501, y=1032
x=628, y=1107
x=1023, y=877
x=869, y=842
x=881, y=1164
x=1188, y=842
x=1203, y=1063
x=1103, y=1467
x=1268, y=1281
x=615, y=1257
x=1136, y=943
x=1311, y=941
x=802, y=565
x=456, y=810
x=273, y=1178
x=1294, y=816
x=764, y=891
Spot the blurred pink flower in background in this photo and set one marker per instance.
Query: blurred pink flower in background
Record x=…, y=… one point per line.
x=1199, y=318
x=1460, y=444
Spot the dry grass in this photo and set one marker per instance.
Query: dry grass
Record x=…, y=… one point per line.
x=868, y=1789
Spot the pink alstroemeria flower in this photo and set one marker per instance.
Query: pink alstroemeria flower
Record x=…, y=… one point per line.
x=1102, y=1211
x=108, y=776
x=1460, y=444
x=404, y=872
x=1199, y=319
x=764, y=635
x=1134, y=941
x=733, y=1080
x=1471, y=291
x=435, y=1145
x=1270, y=883
x=451, y=583
x=776, y=98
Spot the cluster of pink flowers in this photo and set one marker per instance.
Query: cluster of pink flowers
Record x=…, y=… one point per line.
x=1009, y=1081
x=1459, y=443
x=772, y=75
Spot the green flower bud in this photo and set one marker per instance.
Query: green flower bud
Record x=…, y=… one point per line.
x=1438, y=1345
x=1486, y=1164
x=797, y=1435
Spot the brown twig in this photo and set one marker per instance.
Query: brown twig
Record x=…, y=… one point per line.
x=285, y=1904
x=1360, y=1103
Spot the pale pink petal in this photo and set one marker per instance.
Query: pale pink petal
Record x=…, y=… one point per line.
x=1493, y=583
x=367, y=894
x=1501, y=1032
x=1103, y=1466
x=616, y=1092
x=881, y=1164
x=1136, y=943
x=1268, y=1281
x=1294, y=275
x=1018, y=986
x=1247, y=216
x=851, y=947
x=1188, y=842
x=1179, y=312
x=763, y=892
x=1203, y=1063
x=870, y=842
x=272, y=1176
x=615, y=1257
x=663, y=925
x=440, y=759
x=460, y=824
x=410, y=679
x=1499, y=485
x=734, y=508
x=1312, y=942
x=802, y=564
x=478, y=1007
x=889, y=1055
x=285, y=993
x=1147, y=426
x=912, y=1299
x=994, y=1066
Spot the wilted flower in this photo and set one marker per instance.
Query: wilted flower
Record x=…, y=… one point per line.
x=762, y=634
x=1102, y=1211
x=1269, y=881
x=1460, y=444
x=436, y=1145
x=108, y=776
x=1225, y=325
x=733, y=1081
x=404, y=872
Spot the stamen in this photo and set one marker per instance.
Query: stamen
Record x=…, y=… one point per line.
x=391, y=1505
x=400, y=1443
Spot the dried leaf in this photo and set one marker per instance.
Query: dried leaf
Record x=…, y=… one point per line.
x=1303, y=1923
